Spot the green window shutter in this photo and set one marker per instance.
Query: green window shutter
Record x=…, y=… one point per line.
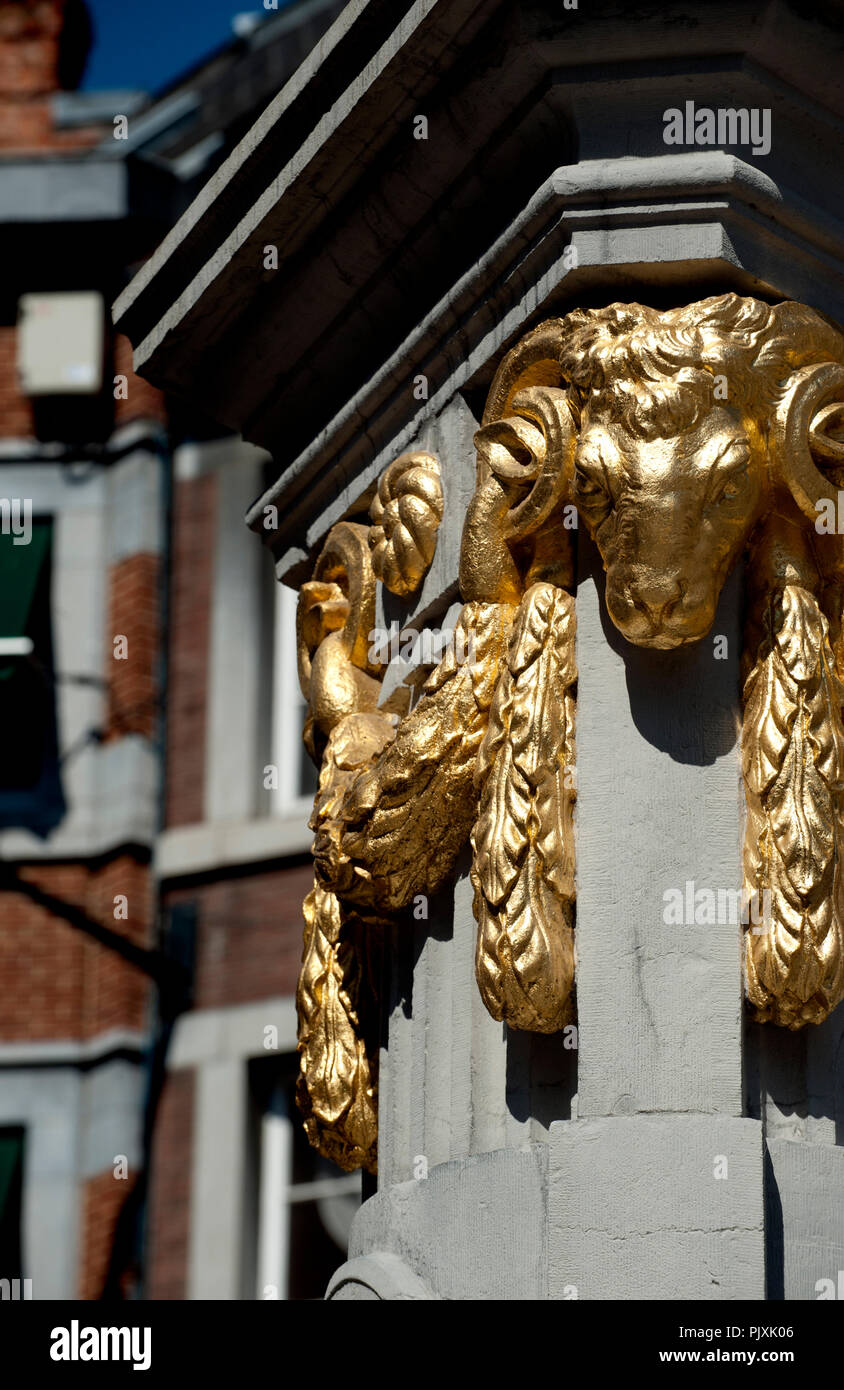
x=20, y=570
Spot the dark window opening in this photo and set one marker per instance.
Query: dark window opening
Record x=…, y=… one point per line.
x=31, y=795
x=320, y=1200
x=11, y=1201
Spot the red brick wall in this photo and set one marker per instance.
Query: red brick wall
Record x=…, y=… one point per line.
x=133, y=613
x=102, y=1199
x=55, y=982
x=15, y=408
x=30, y=36
x=115, y=992
x=143, y=402
x=249, y=935
x=30, y=31
x=169, y=1205
x=192, y=560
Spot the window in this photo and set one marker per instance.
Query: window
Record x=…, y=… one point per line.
x=305, y=1204
x=11, y=1198
x=30, y=786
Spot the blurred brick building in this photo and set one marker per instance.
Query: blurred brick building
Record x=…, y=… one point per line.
x=154, y=795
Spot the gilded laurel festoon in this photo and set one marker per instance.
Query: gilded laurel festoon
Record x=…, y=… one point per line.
x=682, y=440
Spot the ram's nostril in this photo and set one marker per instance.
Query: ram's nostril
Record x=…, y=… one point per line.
x=656, y=594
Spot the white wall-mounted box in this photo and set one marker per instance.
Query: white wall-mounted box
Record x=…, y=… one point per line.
x=60, y=343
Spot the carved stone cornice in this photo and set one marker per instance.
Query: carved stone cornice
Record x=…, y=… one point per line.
x=731, y=214
x=440, y=254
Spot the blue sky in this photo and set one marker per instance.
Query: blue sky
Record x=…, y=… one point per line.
x=144, y=43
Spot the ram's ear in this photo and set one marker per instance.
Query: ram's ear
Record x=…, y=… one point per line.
x=804, y=429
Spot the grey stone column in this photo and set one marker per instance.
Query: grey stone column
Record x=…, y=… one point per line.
x=649, y=1182
x=655, y=1191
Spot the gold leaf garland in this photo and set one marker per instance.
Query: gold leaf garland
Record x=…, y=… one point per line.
x=793, y=765
x=336, y=1089
x=523, y=864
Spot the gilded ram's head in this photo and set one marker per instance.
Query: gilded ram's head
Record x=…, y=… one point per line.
x=693, y=424
x=680, y=432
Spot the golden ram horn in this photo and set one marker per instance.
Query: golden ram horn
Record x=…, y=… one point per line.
x=795, y=433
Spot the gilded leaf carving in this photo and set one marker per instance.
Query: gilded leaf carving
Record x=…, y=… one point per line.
x=336, y=1088
x=522, y=868
x=795, y=831
x=610, y=420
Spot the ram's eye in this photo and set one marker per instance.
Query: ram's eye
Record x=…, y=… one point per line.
x=732, y=486
x=587, y=487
